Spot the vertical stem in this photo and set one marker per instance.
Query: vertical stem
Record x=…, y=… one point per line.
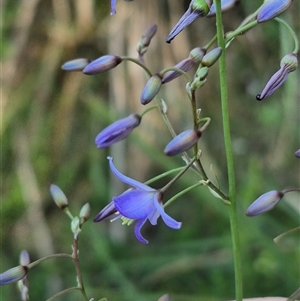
x=229, y=157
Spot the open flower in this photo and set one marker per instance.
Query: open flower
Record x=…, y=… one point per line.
x=140, y=203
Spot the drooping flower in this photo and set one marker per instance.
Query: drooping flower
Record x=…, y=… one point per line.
x=140, y=203
x=271, y=9
x=196, y=9
x=182, y=142
x=265, y=202
x=102, y=64
x=289, y=63
x=117, y=131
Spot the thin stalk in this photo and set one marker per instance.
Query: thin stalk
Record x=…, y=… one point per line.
x=229, y=157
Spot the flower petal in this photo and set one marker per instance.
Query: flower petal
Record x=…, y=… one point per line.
x=137, y=231
x=105, y=212
x=127, y=180
x=169, y=221
x=135, y=204
x=153, y=216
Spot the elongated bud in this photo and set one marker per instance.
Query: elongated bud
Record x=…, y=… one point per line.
x=151, y=88
x=182, y=142
x=75, y=65
x=225, y=5
x=102, y=64
x=13, y=275
x=271, y=9
x=288, y=64
x=211, y=57
x=145, y=40
x=297, y=153
x=24, y=258
x=59, y=197
x=85, y=213
x=264, y=203
x=197, y=8
x=117, y=131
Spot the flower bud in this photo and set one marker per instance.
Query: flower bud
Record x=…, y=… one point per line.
x=146, y=38
x=271, y=9
x=13, y=275
x=102, y=64
x=75, y=65
x=85, y=213
x=117, y=131
x=59, y=197
x=185, y=65
x=197, y=54
x=182, y=142
x=288, y=64
x=197, y=8
x=225, y=5
x=264, y=203
x=211, y=57
x=24, y=258
x=297, y=153
x=151, y=88
x=165, y=297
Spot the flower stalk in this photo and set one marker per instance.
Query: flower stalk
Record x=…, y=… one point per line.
x=229, y=156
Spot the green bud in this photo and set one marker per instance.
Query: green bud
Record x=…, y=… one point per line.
x=202, y=73
x=197, y=54
x=152, y=87
x=59, y=197
x=85, y=213
x=211, y=57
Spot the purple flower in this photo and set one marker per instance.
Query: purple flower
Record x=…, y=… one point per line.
x=288, y=64
x=197, y=8
x=271, y=9
x=225, y=5
x=140, y=203
x=113, y=7
x=117, y=131
x=182, y=142
x=265, y=202
x=102, y=64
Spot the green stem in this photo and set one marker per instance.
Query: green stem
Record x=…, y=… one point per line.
x=68, y=290
x=229, y=157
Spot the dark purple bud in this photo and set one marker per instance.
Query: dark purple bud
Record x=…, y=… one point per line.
x=13, y=275
x=117, y=131
x=271, y=9
x=197, y=8
x=211, y=57
x=225, y=5
x=288, y=64
x=75, y=65
x=102, y=64
x=182, y=142
x=264, y=203
x=151, y=88
x=145, y=40
x=297, y=153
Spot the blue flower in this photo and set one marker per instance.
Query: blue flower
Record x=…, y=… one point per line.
x=113, y=7
x=117, y=131
x=140, y=203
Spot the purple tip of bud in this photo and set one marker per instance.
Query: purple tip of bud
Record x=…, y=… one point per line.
x=151, y=88
x=117, y=131
x=271, y=9
x=264, y=203
x=182, y=142
x=225, y=5
x=297, y=153
x=75, y=65
x=102, y=64
x=195, y=10
x=288, y=64
x=24, y=258
x=13, y=275
x=184, y=65
x=113, y=4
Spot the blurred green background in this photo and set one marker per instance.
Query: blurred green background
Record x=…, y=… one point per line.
x=50, y=119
